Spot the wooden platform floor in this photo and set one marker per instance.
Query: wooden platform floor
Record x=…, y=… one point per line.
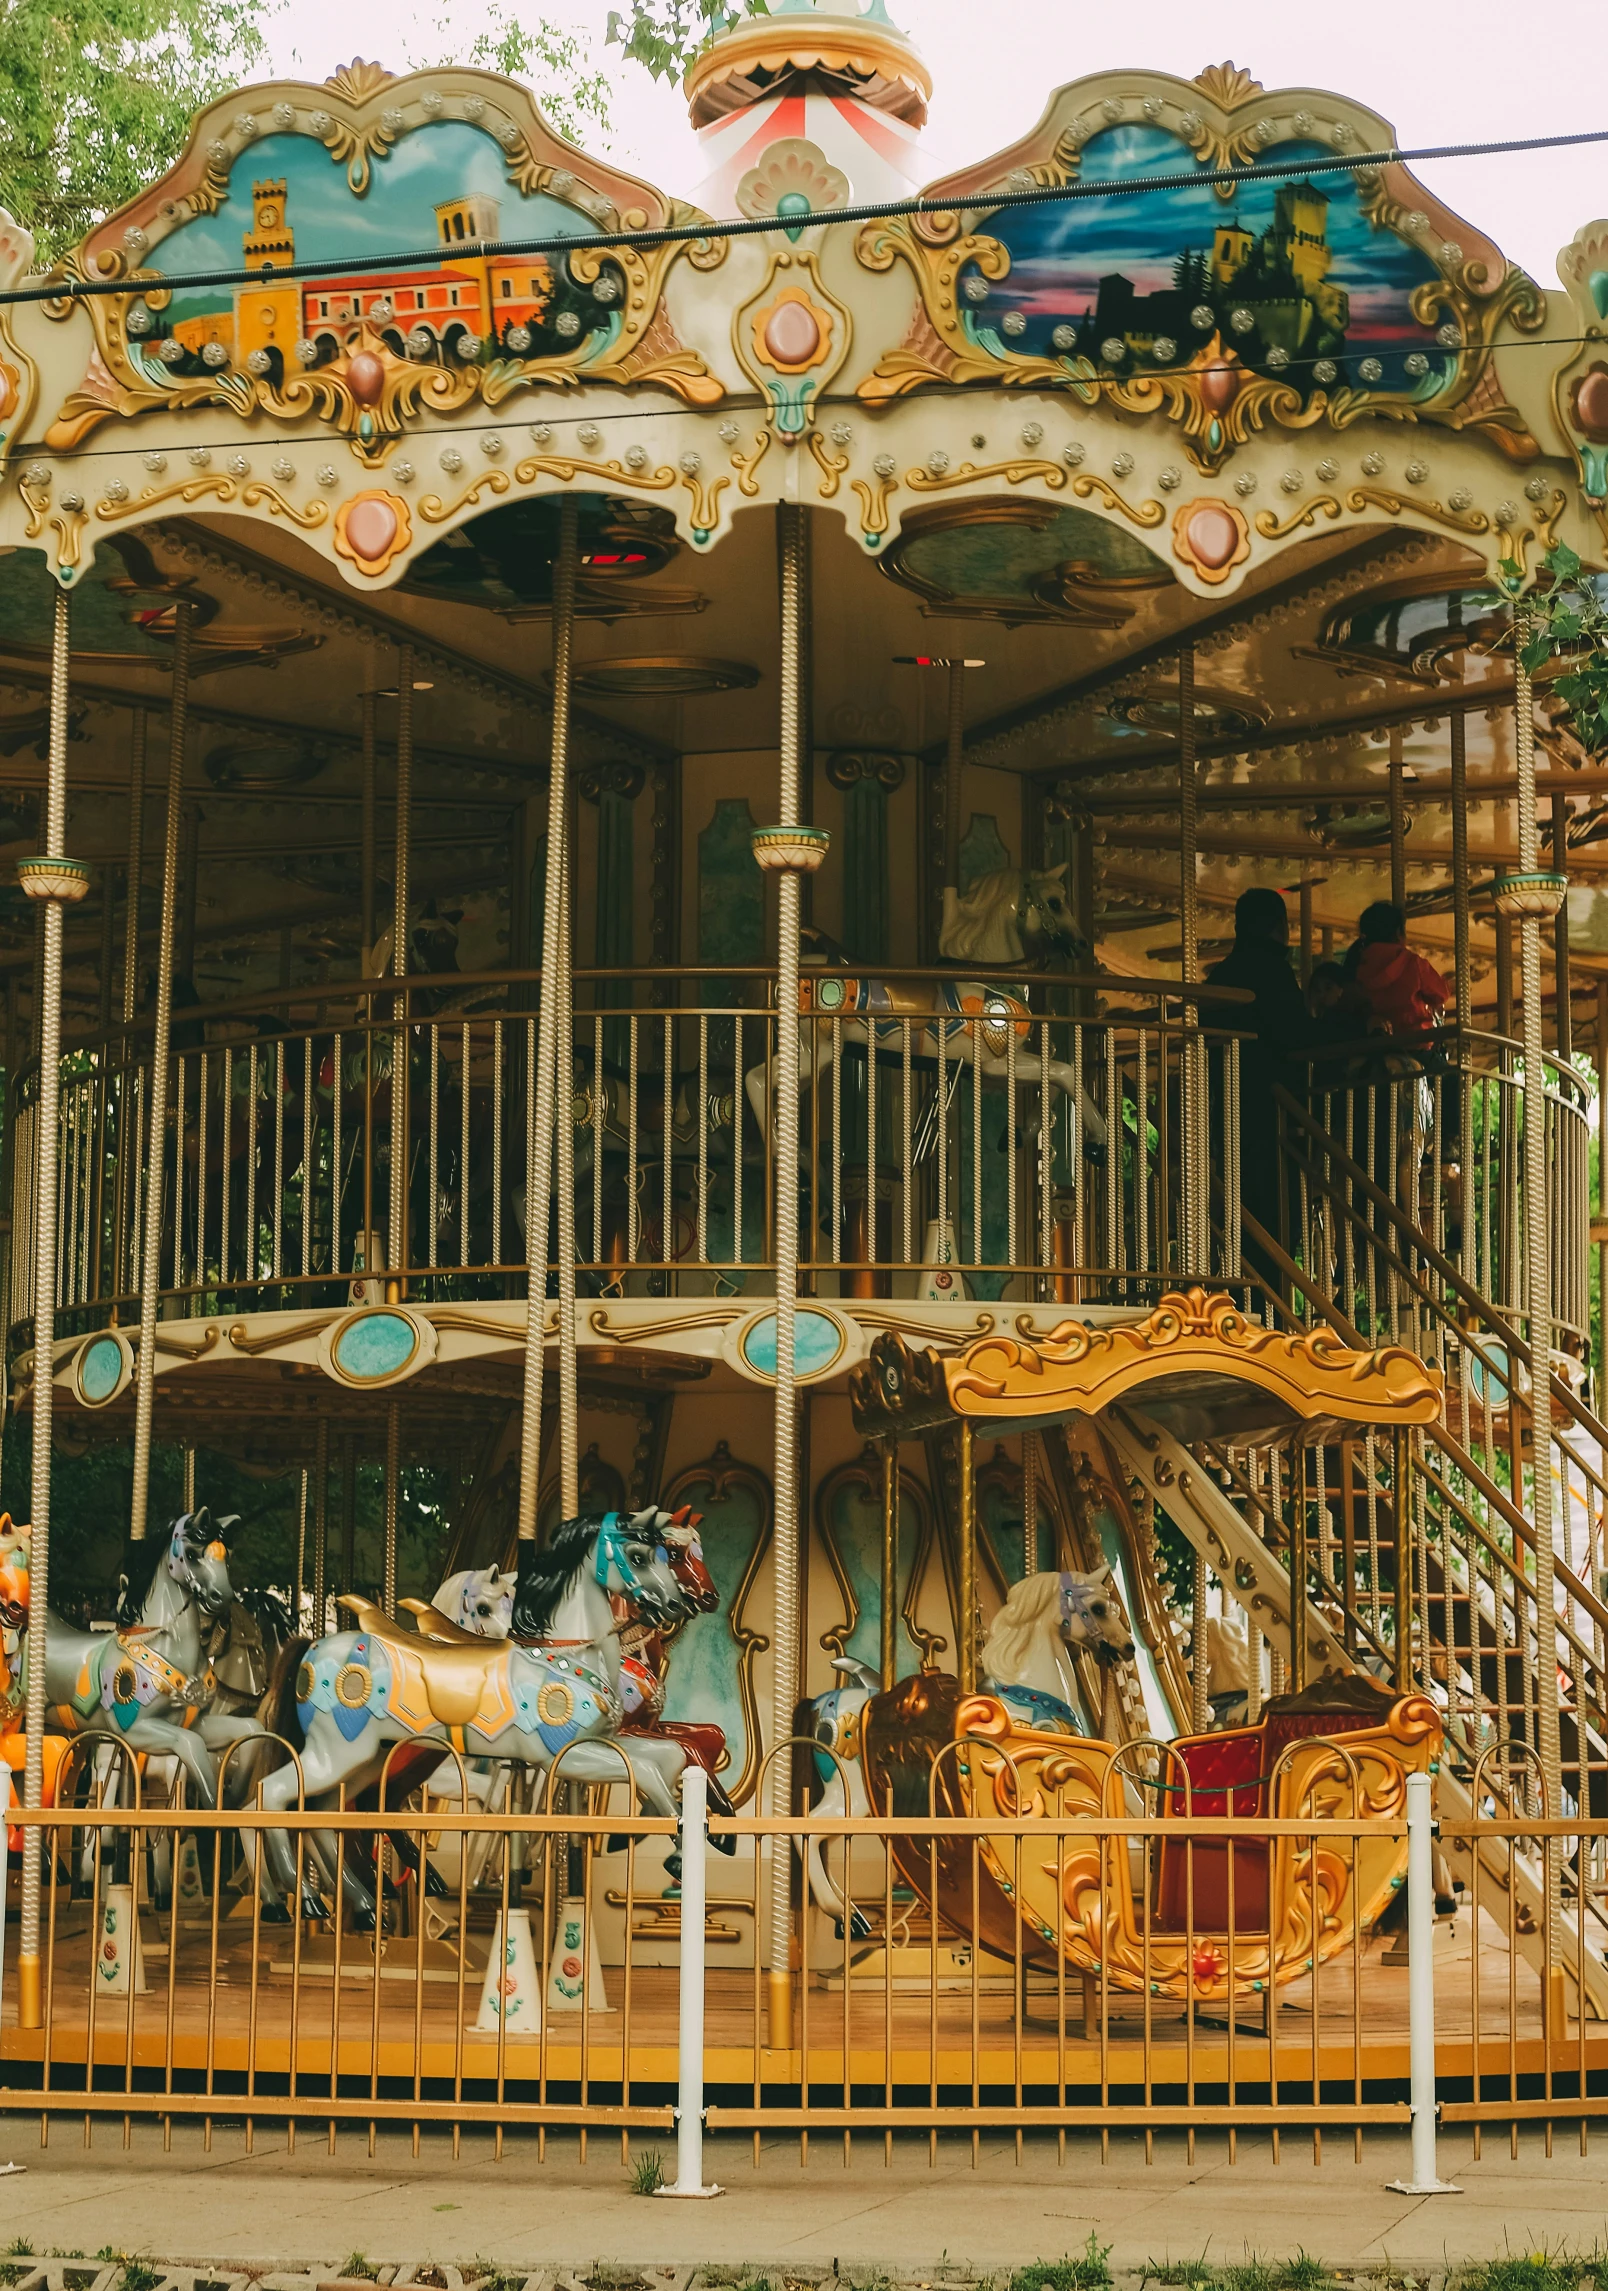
x=242, y=2020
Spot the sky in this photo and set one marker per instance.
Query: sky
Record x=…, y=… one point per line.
x=1481, y=72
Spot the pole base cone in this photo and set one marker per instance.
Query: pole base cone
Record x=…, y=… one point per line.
x=511, y=1995
x=575, y=1976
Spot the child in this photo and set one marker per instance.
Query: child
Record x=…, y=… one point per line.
x=1404, y=994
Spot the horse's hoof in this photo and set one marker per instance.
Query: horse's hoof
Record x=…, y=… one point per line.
x=672, y=1869
x=724, y=1845
x=314, y=1908
x=274, y=1913
x=436, y=1886
x=1094, y=1153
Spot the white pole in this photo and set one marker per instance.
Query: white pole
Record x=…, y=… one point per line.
x=1426, y=2180
x=689, y=2179
x=5, y=1843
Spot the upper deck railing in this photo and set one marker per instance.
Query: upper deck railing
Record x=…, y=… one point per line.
x=998, y=1139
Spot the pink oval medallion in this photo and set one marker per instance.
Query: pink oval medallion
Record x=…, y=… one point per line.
x=1219, y=387
x=365, y=377
x=792, y=334
x=370, y=527
x=1591, y=404
x=1212, y=535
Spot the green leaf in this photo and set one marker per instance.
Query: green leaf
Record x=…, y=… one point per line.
x=1561, y=561
x=1536, y=653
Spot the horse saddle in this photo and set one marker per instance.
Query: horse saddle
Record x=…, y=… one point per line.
x=453, y=1676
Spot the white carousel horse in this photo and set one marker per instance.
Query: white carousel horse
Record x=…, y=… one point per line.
x=138, y=1683
x=478, y=1599
x=1009, y=916
x=1025, y=1662
x=359, y=1692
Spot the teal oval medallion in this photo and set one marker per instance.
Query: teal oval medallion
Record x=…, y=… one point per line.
x=100, y=1371
x=817, y=1342
x=376, y=1345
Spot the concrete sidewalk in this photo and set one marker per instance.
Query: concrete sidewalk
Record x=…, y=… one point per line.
x=309, y=2210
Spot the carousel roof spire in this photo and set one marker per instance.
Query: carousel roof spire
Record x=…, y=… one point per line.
x=840, y=77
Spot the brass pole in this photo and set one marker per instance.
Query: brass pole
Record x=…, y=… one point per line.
x=539, y=1165
x=161, y=1043
x=1398, y=821
x=397, y=1252
x=51, y=888
x=569, y=1422
x=1200, y=1660
x=1401, y=1496
x=1298, y=1568
x=349, y=1511
x=966, y=1620
x=954, y=766
x=1463, y=987
x=393, y=1470
x=370, y=705
x=1563, y=1010
x=890, y=1562
x=1531, y=899
x=1196, y=1174
x=320, y=1528
x=785, y=1677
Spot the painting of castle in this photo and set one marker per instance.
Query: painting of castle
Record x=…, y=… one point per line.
x=1292, y=276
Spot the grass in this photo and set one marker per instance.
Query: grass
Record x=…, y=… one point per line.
x=1302, y=2273
x=487, y=2275
x=1530, y=2271
x=1090, y=2271
x=647, y=2172
x=358, y=2267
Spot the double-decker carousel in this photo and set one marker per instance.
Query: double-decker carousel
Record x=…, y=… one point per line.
x=624, y=808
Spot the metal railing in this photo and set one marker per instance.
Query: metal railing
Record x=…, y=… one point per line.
x=1009, y=1146
x=196, y=2007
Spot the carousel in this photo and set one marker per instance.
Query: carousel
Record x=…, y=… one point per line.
x=926, y=1308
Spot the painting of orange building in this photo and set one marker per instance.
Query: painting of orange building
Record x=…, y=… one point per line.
x=469, y=302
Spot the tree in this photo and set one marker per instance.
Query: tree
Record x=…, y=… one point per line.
x=555, y=63
x=665, y=35
x=98, y=99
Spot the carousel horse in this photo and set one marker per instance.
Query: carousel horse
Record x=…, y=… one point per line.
x=360, y=1692
x=1025, y=1661
x=1007, y=917
x=479, y=1593
x=146, y=1683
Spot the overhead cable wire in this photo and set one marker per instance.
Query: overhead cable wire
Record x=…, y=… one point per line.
x=745, y=226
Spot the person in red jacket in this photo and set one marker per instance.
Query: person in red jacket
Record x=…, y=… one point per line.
x=1397, y=989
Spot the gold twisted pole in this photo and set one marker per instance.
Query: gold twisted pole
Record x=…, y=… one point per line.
x=1196, y=1177
x=47, y=1132
x=1462, y=973
x=397, y=1252
x=393, y=1469
x=954, y=766
x=569, y=1406
x=784, y=1693
x=161, y=1045
x=539, y=1147
x=1538, y=1262
x=890, y=1563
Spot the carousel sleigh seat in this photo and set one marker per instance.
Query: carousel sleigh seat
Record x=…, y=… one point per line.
x=1341, y=1750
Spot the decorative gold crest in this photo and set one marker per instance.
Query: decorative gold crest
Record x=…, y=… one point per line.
x=790, y=338
x=371, y=530
x=368, y=351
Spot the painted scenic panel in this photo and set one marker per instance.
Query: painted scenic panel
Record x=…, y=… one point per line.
x=1291, y=275
x=435, y=195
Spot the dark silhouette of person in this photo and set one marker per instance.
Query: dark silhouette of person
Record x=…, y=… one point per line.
x=1275, y=1029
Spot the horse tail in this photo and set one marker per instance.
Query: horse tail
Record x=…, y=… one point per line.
x=278, y=1712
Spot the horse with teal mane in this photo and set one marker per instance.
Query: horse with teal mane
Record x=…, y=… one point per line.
x=358, y=1693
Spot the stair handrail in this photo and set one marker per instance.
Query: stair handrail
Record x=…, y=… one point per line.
x=1442, y=1434
x=1496, y=1324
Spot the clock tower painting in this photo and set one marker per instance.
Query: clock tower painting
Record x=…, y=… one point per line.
x=268, y=317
